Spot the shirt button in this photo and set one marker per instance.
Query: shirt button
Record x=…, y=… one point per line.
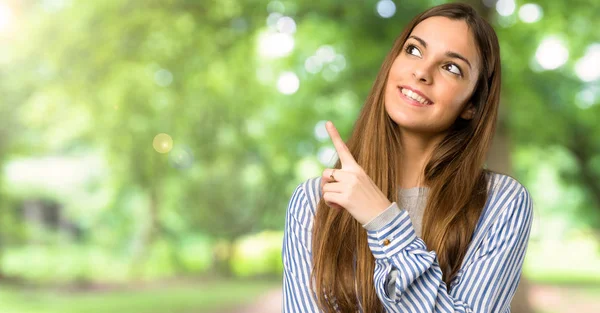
x=386, y=242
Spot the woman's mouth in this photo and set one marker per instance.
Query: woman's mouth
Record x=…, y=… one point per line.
x=413, y=97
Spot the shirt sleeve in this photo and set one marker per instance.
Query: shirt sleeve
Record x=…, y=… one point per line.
x=296, y=253
x=383, y=218
x=485, y=283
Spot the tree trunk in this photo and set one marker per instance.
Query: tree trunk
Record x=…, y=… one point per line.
x=222, y=255
x=148, y=236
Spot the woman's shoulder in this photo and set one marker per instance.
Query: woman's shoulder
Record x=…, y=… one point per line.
x=306, y=196
x=502, y=185
x=506, y=193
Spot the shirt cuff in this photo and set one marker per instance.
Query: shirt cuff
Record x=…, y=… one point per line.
x=393, y=237
x=383, y=218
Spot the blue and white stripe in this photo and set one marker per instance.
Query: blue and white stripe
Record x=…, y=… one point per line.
x=486, y=281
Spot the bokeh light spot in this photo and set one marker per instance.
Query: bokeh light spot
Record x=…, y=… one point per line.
x=325, y=54
x=288, y=83
x=327, y=156
x=551, y=54
x=588, y=67
x=307, y=167
x=163, y=77
x=530, y=13
x=272, y=19
x=338, y=64
x=587, y=97
x=386, y=8
x=321, y=132
x=162, y=143
x=286, y=25
x=253, y=175
x=505, y=7
x=181, y=157
x=275, y=45
x=313, y=64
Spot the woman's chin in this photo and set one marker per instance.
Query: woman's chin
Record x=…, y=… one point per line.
x=405, y=120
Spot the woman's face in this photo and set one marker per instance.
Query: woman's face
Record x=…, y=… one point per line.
x=433, y=77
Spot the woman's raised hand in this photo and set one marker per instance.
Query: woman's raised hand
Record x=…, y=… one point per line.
x=350, y=187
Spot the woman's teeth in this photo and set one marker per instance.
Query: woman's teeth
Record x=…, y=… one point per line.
x=414, y=96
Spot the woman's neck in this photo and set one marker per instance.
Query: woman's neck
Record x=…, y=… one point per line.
x=416, y=152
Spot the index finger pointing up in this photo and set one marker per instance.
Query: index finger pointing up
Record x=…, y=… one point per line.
x=342, y=150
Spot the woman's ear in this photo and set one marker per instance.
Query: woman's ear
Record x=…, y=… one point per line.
x=468, y=112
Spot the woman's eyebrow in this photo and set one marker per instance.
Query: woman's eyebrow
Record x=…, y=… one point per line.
x=450, y=54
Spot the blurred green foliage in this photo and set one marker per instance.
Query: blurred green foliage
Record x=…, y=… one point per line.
x=88, y=85
x=258, y=255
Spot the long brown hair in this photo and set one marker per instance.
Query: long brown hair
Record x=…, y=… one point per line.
x=454, y=174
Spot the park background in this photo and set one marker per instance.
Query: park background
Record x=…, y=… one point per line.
x=148, y=148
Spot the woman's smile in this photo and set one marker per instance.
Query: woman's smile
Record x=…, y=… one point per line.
x=414, y=97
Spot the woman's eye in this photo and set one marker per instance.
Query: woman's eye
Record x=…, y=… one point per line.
x=453, y=68
x=413, y=50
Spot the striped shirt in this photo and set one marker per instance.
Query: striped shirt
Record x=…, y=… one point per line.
x=486, y=281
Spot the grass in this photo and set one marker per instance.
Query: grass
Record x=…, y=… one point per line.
x=558, y=277
x=171, y=298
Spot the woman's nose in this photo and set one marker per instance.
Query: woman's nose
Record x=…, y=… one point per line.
x=422, y=73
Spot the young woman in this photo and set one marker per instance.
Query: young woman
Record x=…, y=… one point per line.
x=409, y=220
